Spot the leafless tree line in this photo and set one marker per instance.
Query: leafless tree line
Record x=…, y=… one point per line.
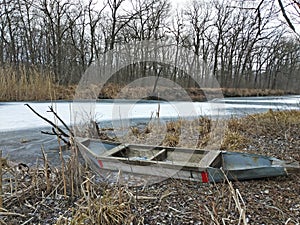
x=241, y=41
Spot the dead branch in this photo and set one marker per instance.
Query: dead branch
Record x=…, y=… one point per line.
x=60, y=136
x=48, y=121
x=63, y=123
x=57, y=131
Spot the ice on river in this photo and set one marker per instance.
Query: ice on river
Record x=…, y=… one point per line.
x=16, y=116
x=21, y=139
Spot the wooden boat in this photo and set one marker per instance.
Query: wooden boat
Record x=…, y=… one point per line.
x=182, y=163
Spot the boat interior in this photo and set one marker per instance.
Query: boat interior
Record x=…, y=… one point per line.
x=191, y=157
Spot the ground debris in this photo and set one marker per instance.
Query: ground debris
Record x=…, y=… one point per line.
x=48, y=195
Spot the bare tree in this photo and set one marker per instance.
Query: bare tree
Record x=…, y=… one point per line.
x=54, y=14
x=240, y=39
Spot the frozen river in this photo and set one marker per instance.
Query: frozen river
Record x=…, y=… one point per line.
x=20, y=136
x=16, y=116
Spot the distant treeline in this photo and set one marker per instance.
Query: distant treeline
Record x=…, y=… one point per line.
x=240, y=41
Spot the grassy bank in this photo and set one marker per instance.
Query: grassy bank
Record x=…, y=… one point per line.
x=31, y=85
x=74, y=195
x=35, y=85
x=257, y=133
x=176, y=93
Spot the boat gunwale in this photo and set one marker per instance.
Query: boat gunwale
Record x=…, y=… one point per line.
x=210, y=167
x=167, y=164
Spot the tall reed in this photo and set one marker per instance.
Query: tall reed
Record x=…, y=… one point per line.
x=21, y=84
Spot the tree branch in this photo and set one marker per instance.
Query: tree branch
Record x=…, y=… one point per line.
x=63, y=123
x=286, y=16
x=50, y=122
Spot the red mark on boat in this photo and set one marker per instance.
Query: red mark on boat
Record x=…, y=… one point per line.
x=100, y=163
x=204, y=176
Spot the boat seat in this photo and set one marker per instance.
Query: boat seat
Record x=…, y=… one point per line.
x=160, y=156
x=114, y=150
x=209, y=158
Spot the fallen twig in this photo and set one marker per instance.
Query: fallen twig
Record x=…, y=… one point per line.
x=11, y=214
x=27, y=221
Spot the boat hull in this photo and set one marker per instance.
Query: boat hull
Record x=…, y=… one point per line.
x=213, y=166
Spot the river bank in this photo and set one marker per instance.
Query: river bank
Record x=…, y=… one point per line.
x=20, y=129
x=112, y=91
x=43, y=88
x=266, y=201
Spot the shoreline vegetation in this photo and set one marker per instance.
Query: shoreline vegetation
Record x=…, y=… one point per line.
x=72, y=194
x=30, y=85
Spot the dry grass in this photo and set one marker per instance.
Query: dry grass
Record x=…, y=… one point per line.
x=235, y=134
x=111, y=207
x=30, y=189
x=72, y=196
x=172, y=137
x=248, y=92
x=273, y=124
x=19, y=85
x=274, y=133
x=234, y=141
x=274, y=121
x=111, y=90
x=23, y=84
